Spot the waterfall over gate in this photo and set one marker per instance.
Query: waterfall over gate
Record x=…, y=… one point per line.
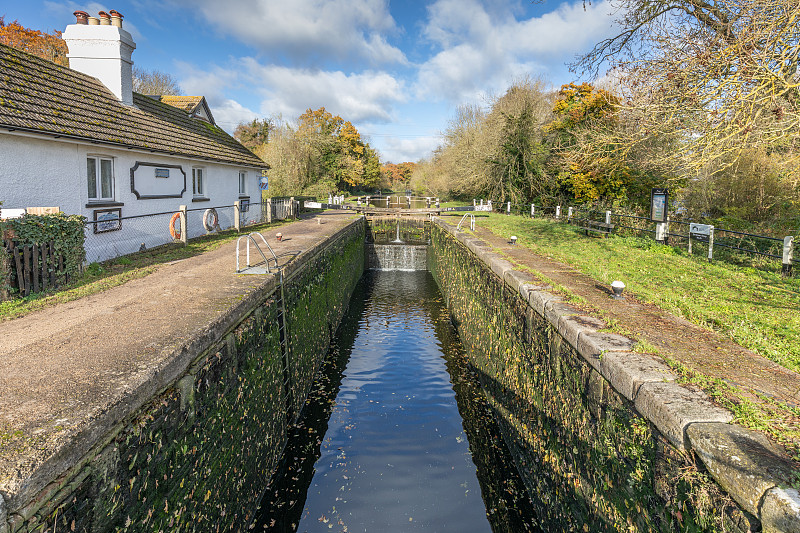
x=397, y=243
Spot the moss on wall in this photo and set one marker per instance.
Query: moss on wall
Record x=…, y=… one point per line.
x=589, y=460
x=198, y=456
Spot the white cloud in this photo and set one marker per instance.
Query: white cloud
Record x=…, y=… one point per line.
x=365, y=96
x=400, y=150
x=480, y=50
x=313, y=31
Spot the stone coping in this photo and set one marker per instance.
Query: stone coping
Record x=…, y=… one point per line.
x=755, y=473
x=72, y=374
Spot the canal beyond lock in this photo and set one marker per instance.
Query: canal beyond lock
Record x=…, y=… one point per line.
x=396, y=434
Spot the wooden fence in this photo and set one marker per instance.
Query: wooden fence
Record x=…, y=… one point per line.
x=33, y=268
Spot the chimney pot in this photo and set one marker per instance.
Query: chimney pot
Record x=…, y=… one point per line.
x=116, y=18
x=81, y=17
x=94, y=21
x=105, y=18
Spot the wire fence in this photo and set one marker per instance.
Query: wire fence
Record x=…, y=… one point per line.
x=710, y=240
x=116, y=236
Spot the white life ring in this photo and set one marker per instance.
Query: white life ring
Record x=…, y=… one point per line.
x=210, y=219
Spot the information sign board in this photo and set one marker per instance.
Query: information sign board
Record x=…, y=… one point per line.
x=658, y=205
x=699, y=232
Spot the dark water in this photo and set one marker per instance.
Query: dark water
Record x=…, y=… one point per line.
x=396, y=435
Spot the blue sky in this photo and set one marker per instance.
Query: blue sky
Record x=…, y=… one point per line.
x=396, y=69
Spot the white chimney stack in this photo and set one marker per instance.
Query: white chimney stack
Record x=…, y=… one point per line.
x=103, y=51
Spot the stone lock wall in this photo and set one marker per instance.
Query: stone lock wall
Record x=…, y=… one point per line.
x=603, y=437
x=199, y=455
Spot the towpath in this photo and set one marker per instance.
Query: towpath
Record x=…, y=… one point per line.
x=701, y=350
x=70, y=371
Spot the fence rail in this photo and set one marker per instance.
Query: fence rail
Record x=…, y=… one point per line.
x=737, y=241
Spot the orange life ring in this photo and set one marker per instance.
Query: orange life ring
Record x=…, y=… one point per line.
x=176, y=233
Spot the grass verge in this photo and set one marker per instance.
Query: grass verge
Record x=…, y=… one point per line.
x=756, y=308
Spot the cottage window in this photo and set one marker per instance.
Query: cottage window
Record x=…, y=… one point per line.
x=198, y=182
x=100, y=178
x=242, y=183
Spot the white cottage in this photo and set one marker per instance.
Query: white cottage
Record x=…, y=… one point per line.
x=80, y=139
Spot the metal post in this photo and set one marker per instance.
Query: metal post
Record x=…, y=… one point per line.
x=608, y=217
x=558, y=211
x=508, y=208
x=533, y=210
x=237, y=210
x=184, y=224
x=711, y=243
x=788, y=250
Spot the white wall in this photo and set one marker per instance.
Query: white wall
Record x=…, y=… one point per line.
x=40, y=172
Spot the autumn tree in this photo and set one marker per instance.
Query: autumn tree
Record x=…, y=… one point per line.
x=255, y=133
x=155, y=82
x=717, y=76
x=496, y=153
x=342, y=156
x=46, y=45
x=399, y=174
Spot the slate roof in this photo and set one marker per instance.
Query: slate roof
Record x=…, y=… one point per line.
x=39, y=96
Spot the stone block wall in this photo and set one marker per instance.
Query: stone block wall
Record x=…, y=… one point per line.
x=603, y=437
x=198, y=456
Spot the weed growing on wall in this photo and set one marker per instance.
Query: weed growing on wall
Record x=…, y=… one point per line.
x=589, y=460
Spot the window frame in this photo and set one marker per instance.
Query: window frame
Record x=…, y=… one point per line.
x=203, y=182
x=243, y=184
x=98, y=179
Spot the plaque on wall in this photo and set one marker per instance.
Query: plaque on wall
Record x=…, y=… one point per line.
x=157, y=180
x=106, y=220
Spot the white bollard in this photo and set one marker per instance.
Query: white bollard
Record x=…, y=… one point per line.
x=508, y=208
x=710, y=243
x=788, y=249
x=558, y=211
x=569, y=213
x=608, y=217
x=533, y=210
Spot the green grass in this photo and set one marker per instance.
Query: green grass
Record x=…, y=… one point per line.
x=99, y=277
x=756, y=308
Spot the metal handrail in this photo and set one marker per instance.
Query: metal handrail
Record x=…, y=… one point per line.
x=471, y=222
x=250, y=238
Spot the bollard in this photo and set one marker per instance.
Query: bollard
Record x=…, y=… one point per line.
x=558, y=211
x=237, y=215
x=710, y=244
x=474, y=202
x=788, y=249
x=508, y=208
x=533, y=210
x=608, y=217
x=569, y=213
x=292, y=209
x=184, y=224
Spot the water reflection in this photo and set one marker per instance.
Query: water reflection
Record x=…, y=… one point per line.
x=381, y=445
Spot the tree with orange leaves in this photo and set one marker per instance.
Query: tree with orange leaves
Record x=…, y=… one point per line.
x=46, y=45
